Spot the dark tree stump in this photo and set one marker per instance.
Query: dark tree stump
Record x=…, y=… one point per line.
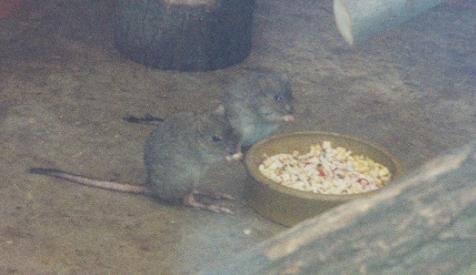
x=185, y=35
x=423, y=224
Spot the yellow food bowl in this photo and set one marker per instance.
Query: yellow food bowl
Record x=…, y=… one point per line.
x=289, y=206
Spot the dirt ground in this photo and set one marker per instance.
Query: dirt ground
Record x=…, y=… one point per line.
x=64, y=89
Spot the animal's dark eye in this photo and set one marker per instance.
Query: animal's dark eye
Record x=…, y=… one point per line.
x=278, y=98
x=216, y=138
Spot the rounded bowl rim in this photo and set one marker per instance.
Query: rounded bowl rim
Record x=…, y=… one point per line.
x=259, y=178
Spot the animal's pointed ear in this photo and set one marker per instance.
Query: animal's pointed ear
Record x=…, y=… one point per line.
x=220, y=110
x=272, y=81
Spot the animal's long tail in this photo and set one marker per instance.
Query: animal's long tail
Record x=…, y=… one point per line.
x=109, y=185
x=147, y=119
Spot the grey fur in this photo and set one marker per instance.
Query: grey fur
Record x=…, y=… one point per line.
x=180, y=151
x=255, y=106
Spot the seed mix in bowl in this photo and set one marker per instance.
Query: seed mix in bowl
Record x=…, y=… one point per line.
x=326, y=170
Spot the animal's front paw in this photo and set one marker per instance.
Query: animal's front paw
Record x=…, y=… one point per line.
x=288, y=118
x=235, y=156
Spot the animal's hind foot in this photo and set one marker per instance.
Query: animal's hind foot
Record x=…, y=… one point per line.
x=191, y=201
x=214, y=195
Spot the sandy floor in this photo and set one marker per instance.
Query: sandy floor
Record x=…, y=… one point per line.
x=64, y=89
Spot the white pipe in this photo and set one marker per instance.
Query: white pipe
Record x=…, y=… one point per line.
x=357, y=20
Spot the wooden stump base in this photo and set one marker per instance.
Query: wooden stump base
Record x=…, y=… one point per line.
x=184, y=35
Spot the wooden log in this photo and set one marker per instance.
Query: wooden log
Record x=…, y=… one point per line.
x=185, y=35
x=424, y=224
x=358, y=20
